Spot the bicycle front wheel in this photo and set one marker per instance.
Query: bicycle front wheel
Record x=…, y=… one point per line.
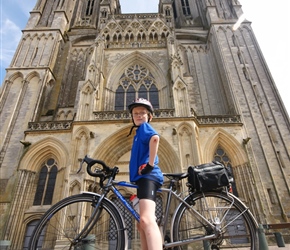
x=229, y=216
x=75, y=223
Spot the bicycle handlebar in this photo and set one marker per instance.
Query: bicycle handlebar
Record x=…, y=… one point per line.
x=102, y=173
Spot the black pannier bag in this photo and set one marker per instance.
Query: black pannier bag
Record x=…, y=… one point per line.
x=209, y=176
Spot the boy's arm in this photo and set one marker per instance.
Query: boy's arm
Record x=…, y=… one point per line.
x=153, y=148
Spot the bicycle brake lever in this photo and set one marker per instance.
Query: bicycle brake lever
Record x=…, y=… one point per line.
x=81, y=165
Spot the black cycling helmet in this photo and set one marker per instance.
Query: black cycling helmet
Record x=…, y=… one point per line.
x=141, y=102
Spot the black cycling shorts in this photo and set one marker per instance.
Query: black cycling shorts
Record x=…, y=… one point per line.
x=147, y=189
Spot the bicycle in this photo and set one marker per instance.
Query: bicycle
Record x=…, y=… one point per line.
x=202, y=220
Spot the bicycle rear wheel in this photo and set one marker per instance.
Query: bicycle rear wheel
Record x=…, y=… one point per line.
x=237, y=226
x=61, y=226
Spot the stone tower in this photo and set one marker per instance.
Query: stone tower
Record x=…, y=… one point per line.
x=80, y=63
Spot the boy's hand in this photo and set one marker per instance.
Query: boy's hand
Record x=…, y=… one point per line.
x=145, y=169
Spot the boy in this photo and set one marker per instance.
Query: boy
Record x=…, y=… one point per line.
x=144, y=171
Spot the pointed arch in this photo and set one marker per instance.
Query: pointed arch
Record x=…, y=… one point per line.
x=27, y=36
x=87, y=88
x=119, y=144
x=233, y=148
x=86, y=100
x=181, y=102
x=137, y=58
x=82, y=131
x=32, y=75
x=128, y=60
x=42, y=150
x=16, y=75
x=61, y=115
x=69, y=115
x=36, y=35
x=188, y=144
x=79, y=146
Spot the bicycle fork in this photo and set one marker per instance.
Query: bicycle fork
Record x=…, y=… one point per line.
x=97, y=209
x=82, y=236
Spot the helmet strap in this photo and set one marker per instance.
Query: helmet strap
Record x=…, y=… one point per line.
x=135, y=126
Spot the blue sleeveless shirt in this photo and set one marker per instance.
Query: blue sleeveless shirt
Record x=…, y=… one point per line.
x=140, y=155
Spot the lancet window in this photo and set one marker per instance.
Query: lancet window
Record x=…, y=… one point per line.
x=185, y=7
x=90, y=7
x=221, y=156
x=46, y=183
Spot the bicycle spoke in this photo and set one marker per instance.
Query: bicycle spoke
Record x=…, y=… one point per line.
x=233, y=224
x=65, y=226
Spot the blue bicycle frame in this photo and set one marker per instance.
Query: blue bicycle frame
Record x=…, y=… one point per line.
x=123, y=200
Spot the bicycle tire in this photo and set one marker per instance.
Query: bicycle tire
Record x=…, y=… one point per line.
x=60, y=225
x=238, y=227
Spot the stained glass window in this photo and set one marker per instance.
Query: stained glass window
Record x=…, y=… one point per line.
x=46, y=183
x=137, y=81
x=221, y=156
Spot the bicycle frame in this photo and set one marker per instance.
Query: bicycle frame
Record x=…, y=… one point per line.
x=123, y=200
x=213, y=223
x=163, y=225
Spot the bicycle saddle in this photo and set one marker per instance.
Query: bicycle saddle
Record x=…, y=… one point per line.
x=176, y=176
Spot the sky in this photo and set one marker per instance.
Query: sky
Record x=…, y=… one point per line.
x=270, y=23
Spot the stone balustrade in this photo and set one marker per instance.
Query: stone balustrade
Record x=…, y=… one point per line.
x=159, y=114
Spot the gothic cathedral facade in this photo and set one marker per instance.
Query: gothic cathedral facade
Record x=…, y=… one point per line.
x=80, y=63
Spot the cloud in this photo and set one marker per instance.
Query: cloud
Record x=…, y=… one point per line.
x=10, y=36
